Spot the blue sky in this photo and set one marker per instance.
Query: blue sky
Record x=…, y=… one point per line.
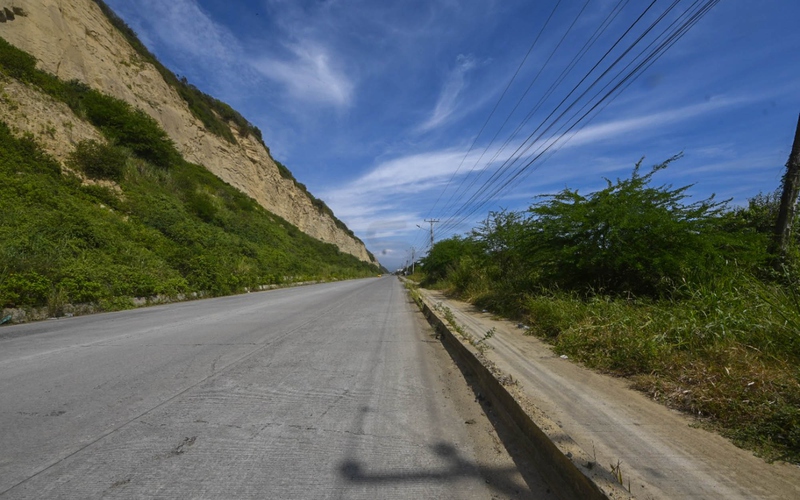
x=384, y=109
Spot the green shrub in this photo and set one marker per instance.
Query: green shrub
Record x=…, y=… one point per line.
x=550, y=317
x=80, y=290
x=630, y=237
x=444, y=256
x=98, y=160
x=16, y=63
x=24, y=289
x=131, y=128
x=103, y=195
x=202, y=205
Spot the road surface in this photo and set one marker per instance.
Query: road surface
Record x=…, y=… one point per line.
x=328, y=391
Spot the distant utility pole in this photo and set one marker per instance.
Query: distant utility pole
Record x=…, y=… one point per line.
x=412, y=259
x=432, y=222
x=786, y=213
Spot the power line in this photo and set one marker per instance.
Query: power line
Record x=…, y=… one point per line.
x=510, y=114
x=500, y=180
x=522, y=148
x=474, y=141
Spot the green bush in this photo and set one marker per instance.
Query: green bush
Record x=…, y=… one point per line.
x=630, y=237
x=16, y=63
x=98, y=160
x=202, y=205
x=444, y=256
x=131, y=128
x=102, y=194
x=24, y=289
x=79, y=289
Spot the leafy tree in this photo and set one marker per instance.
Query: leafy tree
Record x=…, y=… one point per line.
x=501, y=239
x=444, y=255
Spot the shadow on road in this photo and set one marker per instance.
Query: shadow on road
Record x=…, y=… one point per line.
x=500, y=479
x=521, y=458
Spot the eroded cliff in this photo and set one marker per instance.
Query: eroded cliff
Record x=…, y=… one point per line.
x=74, y=39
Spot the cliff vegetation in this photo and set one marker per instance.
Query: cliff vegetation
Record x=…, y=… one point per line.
x=217, y=116
x=128, y=216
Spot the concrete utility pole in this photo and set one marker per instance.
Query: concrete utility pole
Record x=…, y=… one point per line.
x=786, y=213
x=432, y=221
x=412, y=259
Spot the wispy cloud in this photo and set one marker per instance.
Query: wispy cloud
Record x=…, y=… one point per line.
x=620, y=128
x=311, y=73
x=305, y=69
x=448, y=98
x=387, y=190
x=188, y=30
x=377, y=190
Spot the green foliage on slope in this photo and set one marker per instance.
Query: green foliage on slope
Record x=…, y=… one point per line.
x=167, y=227
x=98, y=160
x=635, y=280
x=216, y=116
x=167, y=232
x=117, y=120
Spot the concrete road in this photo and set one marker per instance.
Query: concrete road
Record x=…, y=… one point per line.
x=327, y=391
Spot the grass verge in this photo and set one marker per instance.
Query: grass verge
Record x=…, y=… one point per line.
x=726, y=353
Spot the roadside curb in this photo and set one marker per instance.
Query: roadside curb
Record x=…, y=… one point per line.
x=567, y=473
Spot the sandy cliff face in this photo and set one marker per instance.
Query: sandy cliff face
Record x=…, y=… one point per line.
x=73, y=40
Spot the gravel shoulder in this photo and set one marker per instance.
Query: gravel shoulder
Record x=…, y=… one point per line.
x=660, y=453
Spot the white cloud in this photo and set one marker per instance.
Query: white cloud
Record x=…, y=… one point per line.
x=380, y=189
x=310, y=74
x=308, y=71
x=448, y=98
x=385, y=200
x=187, y=29
x=620, y=128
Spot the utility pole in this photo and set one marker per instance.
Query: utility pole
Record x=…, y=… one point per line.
x=432, y=222
x=786, y=213
x=412, y=259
